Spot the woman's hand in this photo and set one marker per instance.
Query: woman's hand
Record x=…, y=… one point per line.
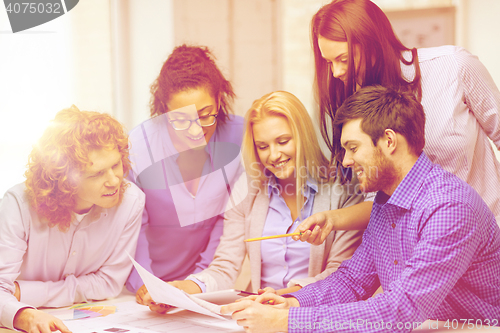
x=267, y=290
x=316, y=228
x=279, y=292
x=188, y=286
x=142, y=296
x=36, y=321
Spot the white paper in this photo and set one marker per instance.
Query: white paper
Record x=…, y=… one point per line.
x=130, y=315
x=106, y=328
x=162, y=292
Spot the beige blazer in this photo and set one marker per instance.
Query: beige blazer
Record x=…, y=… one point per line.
x=245, y=218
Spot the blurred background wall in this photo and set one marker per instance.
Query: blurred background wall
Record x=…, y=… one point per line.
x=103, y=55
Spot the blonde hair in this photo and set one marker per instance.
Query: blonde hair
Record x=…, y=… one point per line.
x=61, y=155
x=310, y=161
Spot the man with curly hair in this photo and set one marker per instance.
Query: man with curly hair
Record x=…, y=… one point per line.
x=65, y=231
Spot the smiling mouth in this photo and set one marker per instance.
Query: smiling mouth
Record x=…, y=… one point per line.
x=110, y=194
x=280, y=164
x=359, y=172
x=197, y=138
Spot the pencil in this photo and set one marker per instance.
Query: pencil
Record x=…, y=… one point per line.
x=270, y=237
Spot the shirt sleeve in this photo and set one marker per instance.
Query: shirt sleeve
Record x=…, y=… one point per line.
x=481, y=94
x=447, y=245
x=207, y=256
x=200, y=284
x=12, y=248
x=106, y=282
x=227, y=261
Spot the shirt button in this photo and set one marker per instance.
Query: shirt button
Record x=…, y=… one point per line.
x=395, y=262
x=284, y=267
x=74, y=253
x=393, y=225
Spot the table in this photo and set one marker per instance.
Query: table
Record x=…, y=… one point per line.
x=129, y=314
x=132, y=315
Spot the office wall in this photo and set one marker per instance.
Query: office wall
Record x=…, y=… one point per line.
x=481, y=33
x=244, y=36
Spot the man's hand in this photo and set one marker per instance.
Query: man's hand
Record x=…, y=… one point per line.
x=256, y=317
x=316, y=228
x=36, y=321
x=272, y=299
x=17, y=293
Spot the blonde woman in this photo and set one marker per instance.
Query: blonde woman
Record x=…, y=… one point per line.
x=286, y=182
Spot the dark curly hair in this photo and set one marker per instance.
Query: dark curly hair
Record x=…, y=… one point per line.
x=191, y=67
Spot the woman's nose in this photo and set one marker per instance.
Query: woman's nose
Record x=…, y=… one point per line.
x=338, y=71
x=275, y=154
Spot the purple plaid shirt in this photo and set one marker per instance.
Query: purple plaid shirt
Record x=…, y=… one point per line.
x=434, y=246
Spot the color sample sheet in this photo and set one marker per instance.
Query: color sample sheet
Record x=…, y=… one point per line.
x=83, y=311
x=131, y=317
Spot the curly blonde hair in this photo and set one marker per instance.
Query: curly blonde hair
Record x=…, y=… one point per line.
x=62, y=154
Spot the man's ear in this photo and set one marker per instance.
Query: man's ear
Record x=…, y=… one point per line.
x=390, y=141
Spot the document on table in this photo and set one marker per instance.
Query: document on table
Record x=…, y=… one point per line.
x=162, y=292
x=131, y=317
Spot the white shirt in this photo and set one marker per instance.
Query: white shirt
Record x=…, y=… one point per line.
x=461, y=104
x=54, y=268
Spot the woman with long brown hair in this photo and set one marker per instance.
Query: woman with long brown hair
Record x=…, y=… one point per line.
x=354, y=46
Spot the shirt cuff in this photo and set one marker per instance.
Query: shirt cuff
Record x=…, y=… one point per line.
x=200, y=284
x=301, y=319
x=9, y=312
x=34, y=292
x=305, y=298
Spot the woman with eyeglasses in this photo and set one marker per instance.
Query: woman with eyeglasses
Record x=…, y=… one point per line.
x=185, y=159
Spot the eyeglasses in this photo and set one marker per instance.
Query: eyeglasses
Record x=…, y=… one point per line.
x=184, y=124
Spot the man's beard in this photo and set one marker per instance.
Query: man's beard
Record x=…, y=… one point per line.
x=381, y=174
